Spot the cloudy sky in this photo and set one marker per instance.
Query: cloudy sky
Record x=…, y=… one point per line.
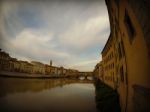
x=72, y=33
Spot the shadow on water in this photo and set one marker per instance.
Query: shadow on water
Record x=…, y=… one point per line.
x=107, y=99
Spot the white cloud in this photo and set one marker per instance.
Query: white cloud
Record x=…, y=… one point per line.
x=36, y=45
x=83, y=35
x=84, y=63
x=87, y=65
x=68, y=33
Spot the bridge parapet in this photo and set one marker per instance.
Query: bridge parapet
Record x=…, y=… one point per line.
x=81, y=74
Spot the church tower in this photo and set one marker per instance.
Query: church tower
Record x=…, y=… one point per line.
x=50, y=62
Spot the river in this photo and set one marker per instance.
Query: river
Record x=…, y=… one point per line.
x=52, y=95
x=56, y=95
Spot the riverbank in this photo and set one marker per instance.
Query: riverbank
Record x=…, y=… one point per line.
x=26, y=75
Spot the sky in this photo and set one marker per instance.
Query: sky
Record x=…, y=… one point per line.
x=71, y=33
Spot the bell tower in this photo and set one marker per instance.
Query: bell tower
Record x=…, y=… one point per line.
x=50, y=62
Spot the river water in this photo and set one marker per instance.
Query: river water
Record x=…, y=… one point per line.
x=47, y=95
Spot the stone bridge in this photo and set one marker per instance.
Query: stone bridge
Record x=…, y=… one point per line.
x=78, y=75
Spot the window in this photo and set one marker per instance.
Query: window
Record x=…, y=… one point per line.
x=122, y=73
x=117, y=2
x=122, y=47
x=113, y=76
x=116, y=33
x=119, y=50
x=129, y=26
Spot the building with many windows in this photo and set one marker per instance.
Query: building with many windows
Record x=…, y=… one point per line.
x=109, y=62
x=126, y=55
x=4, y=60
x=9, y=64
x=98, y=71
x=38, y=67
x=101, y=72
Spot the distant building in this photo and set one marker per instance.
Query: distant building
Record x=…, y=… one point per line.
x=101, y=73
x=38, y=67
x=98, y=71
x=54, y=70
x=15, y=66
x=8, y=63
x=71, y=72
x=24, y=66
x=4, y=61
x=48, y=70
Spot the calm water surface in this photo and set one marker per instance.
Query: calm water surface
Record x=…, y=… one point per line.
x=53, y=95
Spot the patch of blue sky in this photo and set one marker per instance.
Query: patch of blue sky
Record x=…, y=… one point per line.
x=30, y=18
x=92, y=52
x=11, y=28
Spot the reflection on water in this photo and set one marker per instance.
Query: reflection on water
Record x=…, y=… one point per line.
x=55, y=95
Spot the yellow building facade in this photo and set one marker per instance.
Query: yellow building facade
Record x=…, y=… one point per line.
x=47, y=69
x=130, y=44
x=7, y=63
x=101, y=72
x=38, y=67
x=109, y=63
x=98, y=71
